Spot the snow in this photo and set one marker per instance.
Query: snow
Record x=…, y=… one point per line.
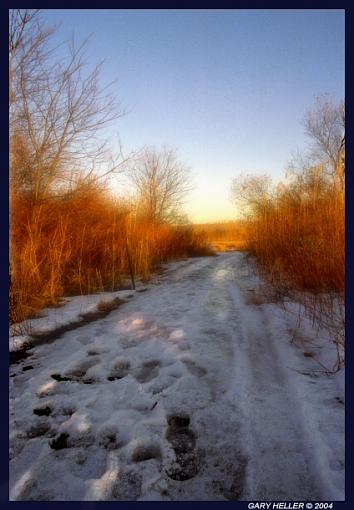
x=18, y=342
x=193, y=390
x=51, y=318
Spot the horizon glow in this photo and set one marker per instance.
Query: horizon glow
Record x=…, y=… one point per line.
x=227, y=88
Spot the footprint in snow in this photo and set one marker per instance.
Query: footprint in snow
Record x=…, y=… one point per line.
x=77, y=373
x=127, y=486
x=108, y=437
x=193, y=368
x=183, y=441
x=65, y=440
x=43, y=410
x=148, y=371
x=28, y=367
x=39, y=429
x=146, y=451
x=120, y=368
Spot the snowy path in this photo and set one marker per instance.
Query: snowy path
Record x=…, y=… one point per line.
x=189, y=391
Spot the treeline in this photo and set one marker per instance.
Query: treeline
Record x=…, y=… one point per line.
x=68, y=233
x=297, y=229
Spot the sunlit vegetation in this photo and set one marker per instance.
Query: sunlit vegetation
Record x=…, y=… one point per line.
x=298, y=234
x=83, y=244
x=296, y=230
x=224, y=235
x=68, y=233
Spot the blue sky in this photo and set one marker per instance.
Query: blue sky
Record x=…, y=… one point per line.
x=227, y=88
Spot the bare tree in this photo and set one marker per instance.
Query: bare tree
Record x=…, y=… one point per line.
x=325, y=124
x=251, y=192
x=161, y=182
x=57, y=110
x=20, y=47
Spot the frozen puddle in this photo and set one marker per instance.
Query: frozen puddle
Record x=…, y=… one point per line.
x=187, y=392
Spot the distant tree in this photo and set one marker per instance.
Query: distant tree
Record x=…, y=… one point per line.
x=251, y=192
x=161, y=182
x=325, y=125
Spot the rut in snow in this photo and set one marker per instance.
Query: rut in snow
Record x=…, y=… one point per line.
x=190, y=391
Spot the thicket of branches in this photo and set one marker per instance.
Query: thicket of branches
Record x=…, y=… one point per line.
x=68, y=234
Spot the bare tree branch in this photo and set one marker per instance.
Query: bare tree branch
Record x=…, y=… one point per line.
x=58, y=109
x=325, y=124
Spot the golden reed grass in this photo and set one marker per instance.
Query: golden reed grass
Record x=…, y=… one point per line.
x=224, y=235
x=78, y=245
x=297, y=234
x=298, y=238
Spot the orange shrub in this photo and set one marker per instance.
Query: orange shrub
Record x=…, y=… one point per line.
x=298, y=237
x=79, y=244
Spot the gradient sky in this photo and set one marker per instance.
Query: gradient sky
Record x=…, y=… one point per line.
x=227, y=88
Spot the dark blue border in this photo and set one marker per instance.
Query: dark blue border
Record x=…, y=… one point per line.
x=4, y=257
x=349, y=43
x=4, y=265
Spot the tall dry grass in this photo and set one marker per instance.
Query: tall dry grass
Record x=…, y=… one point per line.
x=84, y=240
x=80, y=244
x=297, y=234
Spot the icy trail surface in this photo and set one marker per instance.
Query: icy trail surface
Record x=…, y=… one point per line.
x=197, y=389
